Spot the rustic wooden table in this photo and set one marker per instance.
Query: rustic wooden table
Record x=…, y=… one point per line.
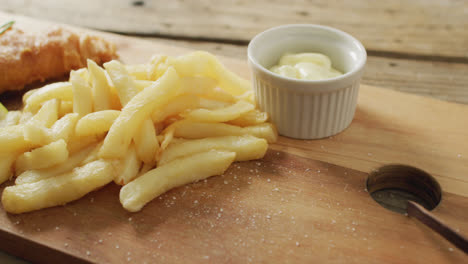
x=418, y=46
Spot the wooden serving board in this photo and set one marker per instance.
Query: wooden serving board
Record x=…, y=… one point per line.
x=305, y=202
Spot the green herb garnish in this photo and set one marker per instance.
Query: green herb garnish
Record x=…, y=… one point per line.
x=6, y=26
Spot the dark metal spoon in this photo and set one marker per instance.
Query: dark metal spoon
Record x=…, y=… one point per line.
x=424, y=216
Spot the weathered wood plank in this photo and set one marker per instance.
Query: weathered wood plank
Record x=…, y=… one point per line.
x=288, y=207
x=431, y=28
x=442, y=80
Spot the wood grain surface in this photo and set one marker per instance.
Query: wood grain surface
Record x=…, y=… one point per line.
x=414, y=46
x=305, y=202
x=281, y=209
x=422, y=27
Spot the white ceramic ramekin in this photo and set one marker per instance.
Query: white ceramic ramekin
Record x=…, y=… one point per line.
x=306, y=109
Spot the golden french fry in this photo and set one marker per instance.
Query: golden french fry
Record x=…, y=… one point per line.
x=195, y=130
x=220, y=115
x=200, y=63
x=82, y=95
x=145, y=168
x=145, y=188
x=57, y=190
x=157, y=62
x=129, y=168
x=96, y=123
x=168, y=137
x=36, y=128
x=250, y=118
x=246, y=147
x=138, y=71
x=211, y=104
x=100, y=87
x=36, y=134
x=43, y=157
x=248, y=96
x=12, y=118
x=93, y=155
x=12, y=140
x=175, y=107
x=25, y=117
x=66, y=107
x=266, y=130
x=28, y=94
x=77, y=143
x=123, y=82
x=64, y=128
x=61, y=91
x=146, y=143
x=40, y=174
x=136, y=112
x=205, y=87
x=142, y=84
x=197, y=85
x=47, y=114
x=6, y=166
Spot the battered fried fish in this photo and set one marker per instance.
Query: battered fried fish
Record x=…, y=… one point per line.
x=28, y=57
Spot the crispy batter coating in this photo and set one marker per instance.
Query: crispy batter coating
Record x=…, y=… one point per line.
x=26, y=57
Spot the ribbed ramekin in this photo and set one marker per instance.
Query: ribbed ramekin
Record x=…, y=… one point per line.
x=306, y=109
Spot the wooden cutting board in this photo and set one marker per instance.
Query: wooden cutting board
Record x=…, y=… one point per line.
x=305, y=202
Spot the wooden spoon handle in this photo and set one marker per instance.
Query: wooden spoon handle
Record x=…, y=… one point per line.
x=423, y=215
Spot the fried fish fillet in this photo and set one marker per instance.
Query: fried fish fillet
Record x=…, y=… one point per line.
x=27, y=57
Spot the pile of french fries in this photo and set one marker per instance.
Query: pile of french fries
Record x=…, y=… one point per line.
x=149, y=127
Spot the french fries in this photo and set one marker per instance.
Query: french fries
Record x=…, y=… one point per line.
x=246, y=147
x=149, y=127
x=130, y=166
x=6, y=166
x=96, y=123
x=11, y=118
x=146, y=142
x=136, y=112
x=64, y=127
x=102, y=95
x=12, y=140
x=145, y=188
x=57, y=190
x=194, y=130
x=220, y=115
x=47, y=114
x=43, y=157
x=250, y=118
x=35, y=98
x=82, y=95
x=123, y=82
x=39, y=174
